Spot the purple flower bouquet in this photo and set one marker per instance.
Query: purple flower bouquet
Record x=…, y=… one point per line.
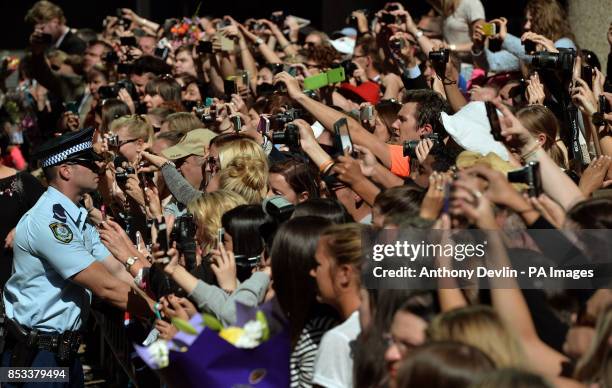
x=254, y=353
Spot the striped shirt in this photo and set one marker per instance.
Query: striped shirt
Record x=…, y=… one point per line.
x=305, y=352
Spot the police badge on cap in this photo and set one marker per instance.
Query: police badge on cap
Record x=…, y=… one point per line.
x=70, y=145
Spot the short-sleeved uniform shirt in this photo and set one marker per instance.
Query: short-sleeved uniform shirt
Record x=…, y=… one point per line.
x=53, y=242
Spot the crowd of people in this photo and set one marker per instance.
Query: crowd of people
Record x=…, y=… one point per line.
x=181, y=167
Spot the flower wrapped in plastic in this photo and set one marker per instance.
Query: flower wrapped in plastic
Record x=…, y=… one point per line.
x=252, y=353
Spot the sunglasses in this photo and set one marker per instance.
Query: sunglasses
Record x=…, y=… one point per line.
x=85, y=162
x=113, y=141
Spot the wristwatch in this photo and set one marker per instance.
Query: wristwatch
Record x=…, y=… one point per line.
x=130, y=262
x=419, y=33
x=259, y=41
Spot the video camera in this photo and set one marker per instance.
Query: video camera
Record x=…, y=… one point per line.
x=529, y=175
x=280, y=120
x=289, y=137
x=563, y=61
x=411, y=145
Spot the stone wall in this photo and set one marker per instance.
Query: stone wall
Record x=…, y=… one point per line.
x=590, y=20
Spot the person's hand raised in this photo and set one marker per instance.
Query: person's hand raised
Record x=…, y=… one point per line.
x=293, y=87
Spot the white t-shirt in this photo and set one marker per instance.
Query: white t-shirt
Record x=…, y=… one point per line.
x=456, y=27
x=334, y=364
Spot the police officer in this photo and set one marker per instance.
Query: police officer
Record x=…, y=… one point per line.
x=59, y=261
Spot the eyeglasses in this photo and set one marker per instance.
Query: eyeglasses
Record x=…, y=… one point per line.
x=113, y=141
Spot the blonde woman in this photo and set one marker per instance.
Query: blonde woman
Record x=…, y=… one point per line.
x=207, y=211
x=221, y=151
x=246, y=176
x=132, y=135
x=481, y=327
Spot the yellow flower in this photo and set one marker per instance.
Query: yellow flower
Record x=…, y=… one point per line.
x=231, y=334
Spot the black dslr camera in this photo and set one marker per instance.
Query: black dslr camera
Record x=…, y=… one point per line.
x=290, y=137
x=529, y=175
x=112, y=91
x=349, y=67
x=562, y=61
x=411, y=145
x=439, y=56
x=183, y=233
x=278, y=121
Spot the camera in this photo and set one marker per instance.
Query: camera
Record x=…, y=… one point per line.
x=529, y=175
x=111, y=57
x=279, y=120
x=411, y=145
x=290, y=136
x=183, y=233
x=278, y=18
x=349, y=67
x=112, y=91
x=562, y=61
x=440, y=56
x=203, y=113
x=204, y=47
x=278, y=207
x=121, y=174
x=388, y=18
x=604, y=107
x=396, y=44
x=352, y=20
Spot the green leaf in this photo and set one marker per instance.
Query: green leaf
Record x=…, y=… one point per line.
x=184, y=326
x=211, y=322
x=261, y=317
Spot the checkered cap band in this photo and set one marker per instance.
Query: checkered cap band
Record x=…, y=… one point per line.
x=65, y=154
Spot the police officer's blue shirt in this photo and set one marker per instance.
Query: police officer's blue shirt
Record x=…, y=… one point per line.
x=53, y=242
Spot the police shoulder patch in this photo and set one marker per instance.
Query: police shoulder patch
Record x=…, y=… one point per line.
x=61, y=232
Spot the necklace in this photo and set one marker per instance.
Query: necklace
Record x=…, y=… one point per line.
x=11, y=188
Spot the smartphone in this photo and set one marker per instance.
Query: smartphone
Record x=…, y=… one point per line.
x=335, y=75
x=220, y=236
x=204, y=48
x=162, y=52
x=162, y=237
x=494, y=121
x=227, y=44
x=128, y=41
x=489, y=29
x=264, y=125
x=229, y=86
x=530, y=46
x=587, y=75
x=315, y=81
x=341, y=130
x=366, y=113
x=72, y=106
x=246, y=79
x=236, y=122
